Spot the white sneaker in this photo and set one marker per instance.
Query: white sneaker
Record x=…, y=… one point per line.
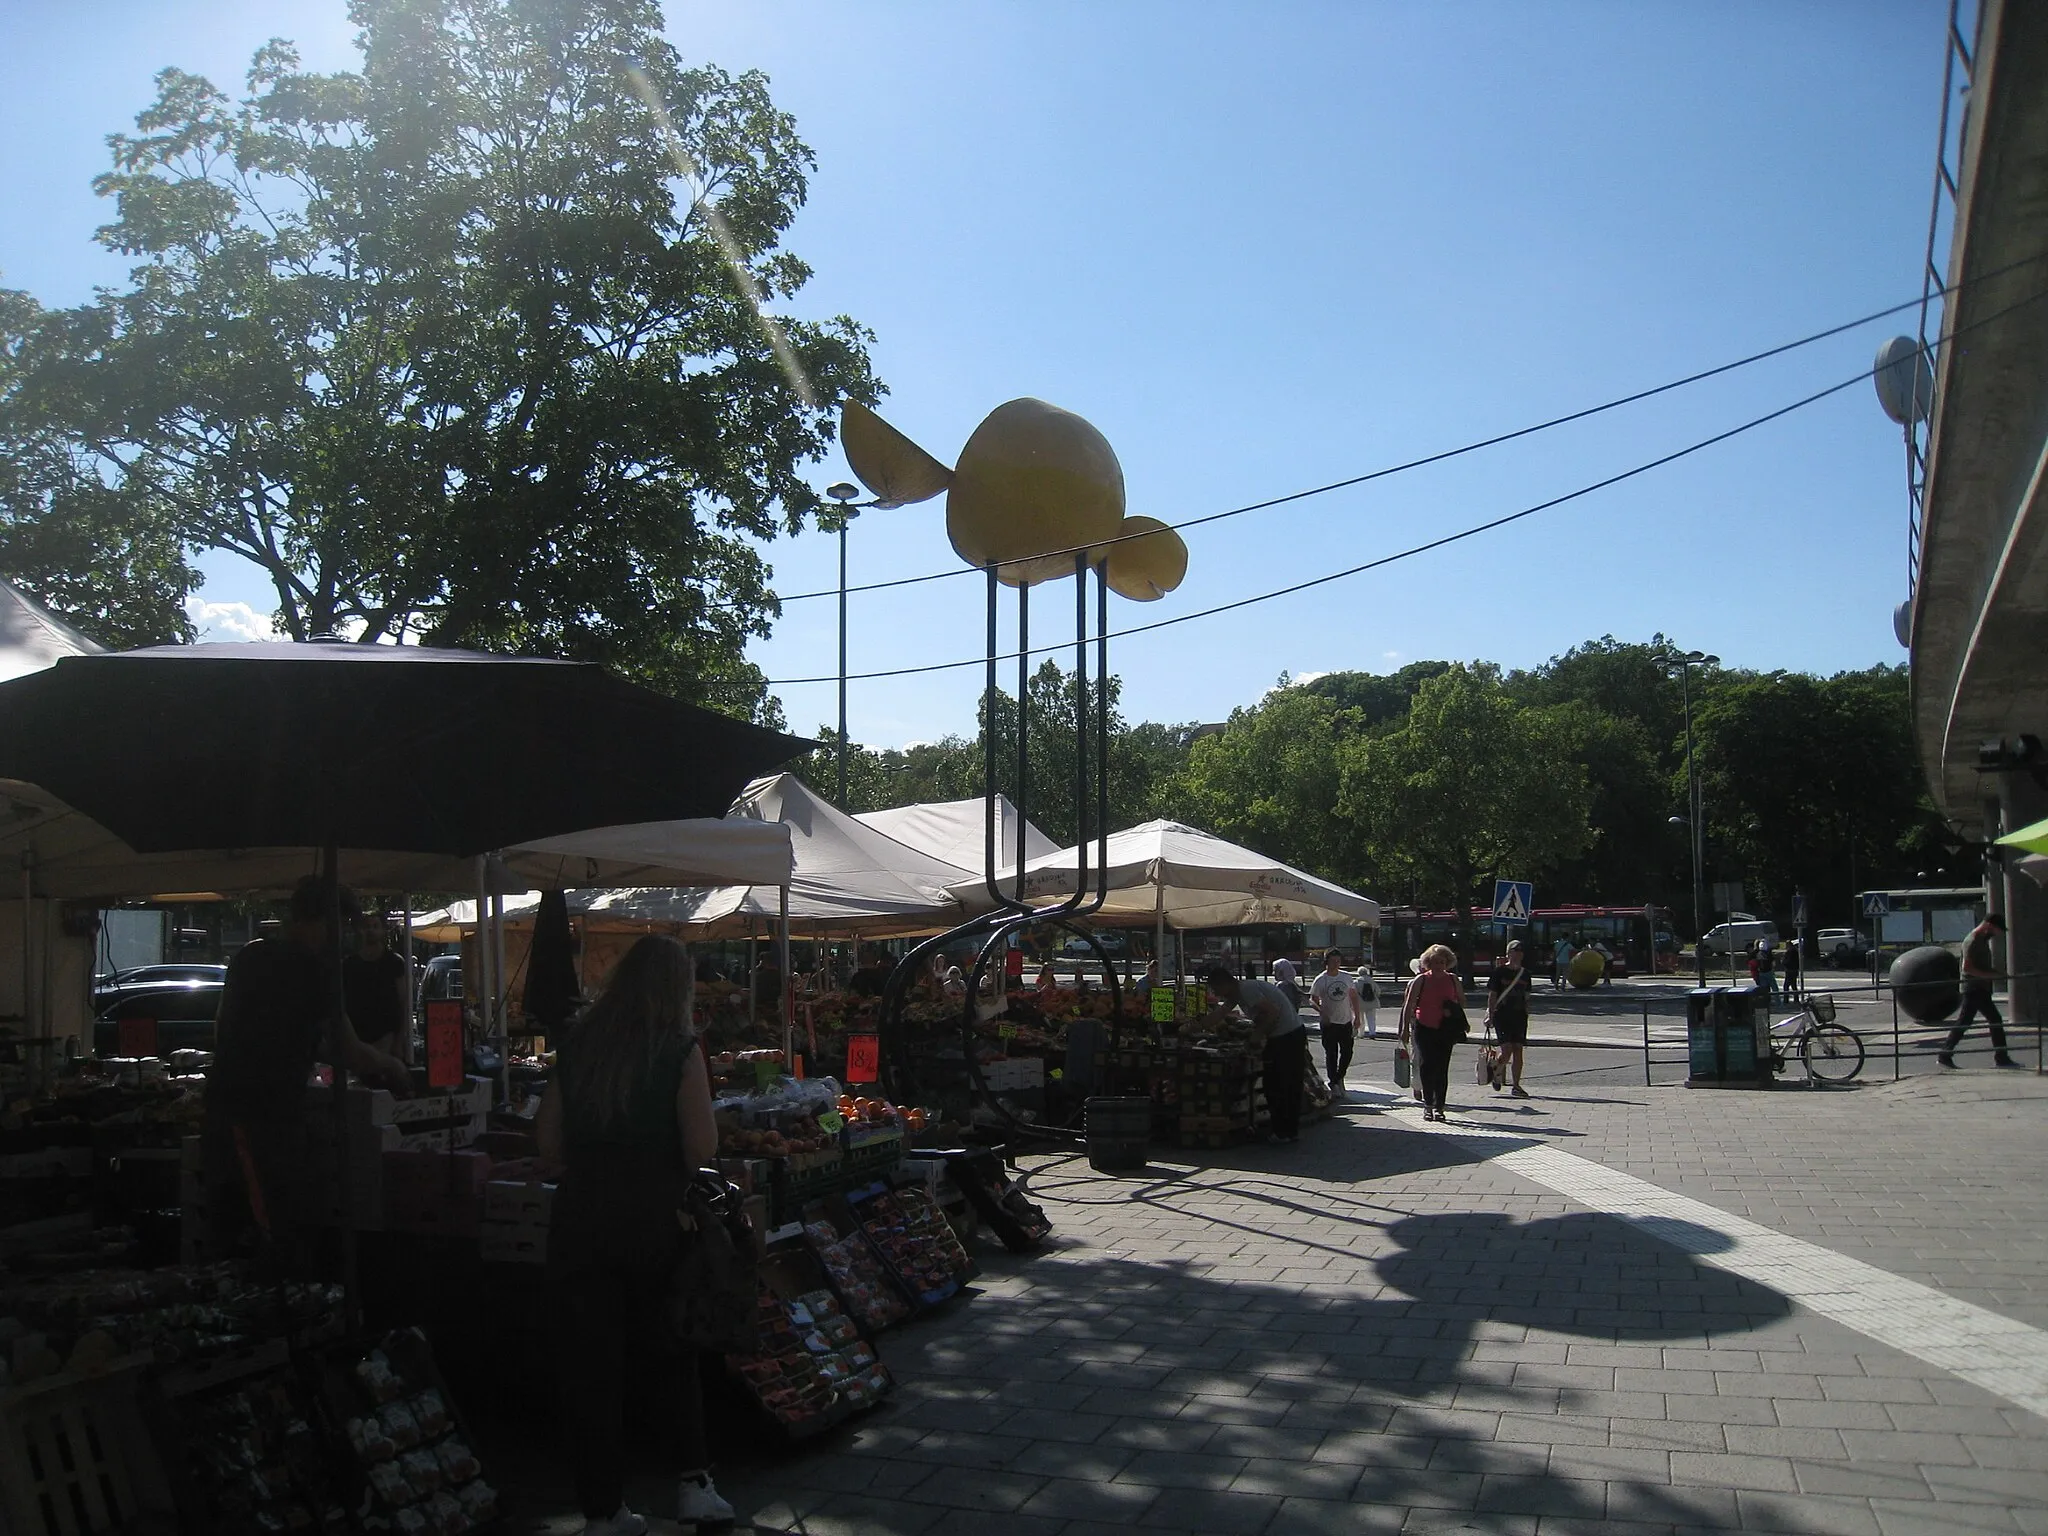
x=698, y=1501
x=623, y=1523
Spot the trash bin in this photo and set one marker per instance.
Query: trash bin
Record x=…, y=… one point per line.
x=1728, y=1038
x=1118, y=1130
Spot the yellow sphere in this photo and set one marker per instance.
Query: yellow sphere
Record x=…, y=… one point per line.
x=1033, y=479
x=1146, y=567
x=1587, y=968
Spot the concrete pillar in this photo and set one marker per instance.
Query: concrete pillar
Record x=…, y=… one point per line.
x=2021, y=802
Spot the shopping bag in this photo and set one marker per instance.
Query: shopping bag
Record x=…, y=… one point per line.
x=1488, y=1065
x=1402, y=1073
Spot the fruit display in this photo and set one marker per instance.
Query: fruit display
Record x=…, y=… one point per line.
x=420, y=1477
x=813, y=1367
x=857, y=1275
x=915, y=1240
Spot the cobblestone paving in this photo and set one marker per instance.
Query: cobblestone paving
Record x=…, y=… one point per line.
x=1381, y=1329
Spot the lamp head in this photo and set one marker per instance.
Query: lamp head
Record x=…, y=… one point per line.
x=842, y=492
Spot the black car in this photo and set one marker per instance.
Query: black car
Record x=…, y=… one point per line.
x=141, y=978
x=155, y=1021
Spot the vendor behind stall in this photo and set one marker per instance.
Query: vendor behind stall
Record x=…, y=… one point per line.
x=374, y=992
x=277, y=1016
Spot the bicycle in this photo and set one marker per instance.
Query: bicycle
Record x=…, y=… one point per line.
x=1830, y=1052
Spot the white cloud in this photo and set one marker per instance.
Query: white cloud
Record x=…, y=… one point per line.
x=1302, y=679
x=229, y=621
x=1390, y=655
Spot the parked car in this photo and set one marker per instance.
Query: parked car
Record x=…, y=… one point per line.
x=1112, y=942
x=105, y=989
x=1737, y=935
x=1845, y=947
x=183, y=1013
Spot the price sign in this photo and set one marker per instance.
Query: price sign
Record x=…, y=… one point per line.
x=1006, y=1031
x=135, y=1037
x=764, y=1074
x=444, y=1044
x=1013, y=962
x=831, y=1122
x=1162, y=1005
x=863, y=1058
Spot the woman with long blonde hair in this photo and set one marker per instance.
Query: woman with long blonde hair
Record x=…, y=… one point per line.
x=628, y=1115
x=1424, y=1021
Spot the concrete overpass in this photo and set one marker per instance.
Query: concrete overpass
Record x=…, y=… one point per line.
x=1979, y=616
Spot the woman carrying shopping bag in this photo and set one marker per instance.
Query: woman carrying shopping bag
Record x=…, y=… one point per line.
x=629, y=1116
x=1507, y=1011
x=1433, y=1021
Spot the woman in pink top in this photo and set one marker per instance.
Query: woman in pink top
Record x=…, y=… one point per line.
x=1435, y=986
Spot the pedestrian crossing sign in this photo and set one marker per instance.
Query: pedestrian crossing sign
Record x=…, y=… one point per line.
x=1877, y=903
x=1512, y=900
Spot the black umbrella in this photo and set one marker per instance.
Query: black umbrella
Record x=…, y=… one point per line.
x=366, y=746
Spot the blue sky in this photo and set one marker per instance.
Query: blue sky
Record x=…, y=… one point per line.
x=1266, y=246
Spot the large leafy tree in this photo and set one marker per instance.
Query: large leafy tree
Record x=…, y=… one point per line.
x=1143, y=762
x=464, y=345
x=1470, y=786
x=1272, y=777
x=1813, y=784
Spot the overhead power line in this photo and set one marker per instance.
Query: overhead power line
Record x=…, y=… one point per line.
x=1405, y=554
x=1448, y=453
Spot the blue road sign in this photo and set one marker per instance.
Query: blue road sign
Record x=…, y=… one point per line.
x=1876, y=903
x=1512, y=900
x=1798, y=910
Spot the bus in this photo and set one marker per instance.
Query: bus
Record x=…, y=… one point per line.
x=1640, y=939
x=1249, y=949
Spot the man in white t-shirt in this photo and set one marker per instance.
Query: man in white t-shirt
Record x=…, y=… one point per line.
x=1335, y=996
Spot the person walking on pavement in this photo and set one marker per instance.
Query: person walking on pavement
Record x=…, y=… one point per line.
x=1335, y=996
x=1284, y=978
x=1766, y=968
x=1279, y=1021
x=1980, y=974
x=1435, y=1000
x=1560, y=963
x=1795, y=972
x=1507, y=1010
x=1368, y=1000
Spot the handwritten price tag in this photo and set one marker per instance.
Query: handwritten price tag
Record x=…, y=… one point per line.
x=863, y=1058
x=135, y=1037
x=831, y=1122
x=1006, y=1031
x=444, y=1044
x=1162, y=1005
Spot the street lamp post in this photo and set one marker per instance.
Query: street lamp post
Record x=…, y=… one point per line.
x=1683, y=662
x=843, y=494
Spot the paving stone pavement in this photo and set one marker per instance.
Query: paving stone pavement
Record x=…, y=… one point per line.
x=1383, y=1329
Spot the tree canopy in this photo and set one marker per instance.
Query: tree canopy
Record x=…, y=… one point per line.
x=462, y=345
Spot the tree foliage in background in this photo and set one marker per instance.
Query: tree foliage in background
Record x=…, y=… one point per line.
x=449, y=347
x=106, y=557
x=1143, y=760
x=1272, y=777
x=1470, y=786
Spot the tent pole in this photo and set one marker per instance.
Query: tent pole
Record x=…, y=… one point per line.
x=788, y=980
x=28, y=896
x=412, y=1001
x=484, y=989
x=499, y=994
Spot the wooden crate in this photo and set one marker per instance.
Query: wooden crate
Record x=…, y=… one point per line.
x=76, y=1459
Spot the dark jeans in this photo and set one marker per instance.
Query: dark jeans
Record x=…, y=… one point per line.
x=1976, y=1001
x=1337, y=1042
x=1433, y=1060
x=1286, y=1060
x=603, y=1313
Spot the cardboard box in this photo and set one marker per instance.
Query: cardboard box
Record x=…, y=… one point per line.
x=437, y=1193
x=512, y=1242
x=518, y=1200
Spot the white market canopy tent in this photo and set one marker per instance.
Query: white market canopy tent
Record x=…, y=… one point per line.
x=32, y=638
x=1179, y=877
x=843, y=877
x=956, y=831
x=849, y=877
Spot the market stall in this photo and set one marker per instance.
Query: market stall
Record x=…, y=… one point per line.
x=957, y=831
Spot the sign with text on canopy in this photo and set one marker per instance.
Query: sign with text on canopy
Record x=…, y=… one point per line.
x=1512, y=900
x=444, y=1044
x=863, y=1058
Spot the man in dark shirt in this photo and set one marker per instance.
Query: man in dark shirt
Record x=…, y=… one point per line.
x=1980, y=974
x=374, y=992
x=277, y=1017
